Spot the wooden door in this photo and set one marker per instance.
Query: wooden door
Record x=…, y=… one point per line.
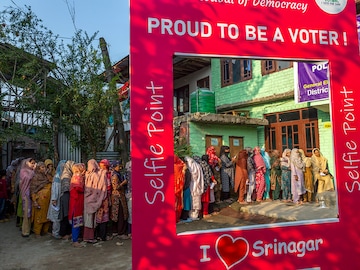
x=213, y=140
x=236, y=144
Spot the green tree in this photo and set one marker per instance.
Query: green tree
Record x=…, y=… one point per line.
x=57, y=81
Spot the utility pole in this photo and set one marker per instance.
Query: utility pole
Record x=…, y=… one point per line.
x=118, y=132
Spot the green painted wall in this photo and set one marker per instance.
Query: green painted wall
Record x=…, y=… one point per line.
x=326, y=138
x=259, y=86
x=199, y=131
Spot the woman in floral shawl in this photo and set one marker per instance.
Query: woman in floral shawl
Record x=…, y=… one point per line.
x=26, y=174
x=119, y=208
x=103, y=214
x=94, y=193
x=286, y=175
x=250, y=165
x=215, y=165
x=275, y=174
x=40, y=190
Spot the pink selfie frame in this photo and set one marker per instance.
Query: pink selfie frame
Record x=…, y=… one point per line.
x=294, y=30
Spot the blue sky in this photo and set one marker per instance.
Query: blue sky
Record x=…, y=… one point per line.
x=110, y=18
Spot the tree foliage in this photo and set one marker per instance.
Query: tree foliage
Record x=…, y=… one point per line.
x=58, y=80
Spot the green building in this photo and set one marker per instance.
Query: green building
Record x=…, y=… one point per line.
x=254, y=106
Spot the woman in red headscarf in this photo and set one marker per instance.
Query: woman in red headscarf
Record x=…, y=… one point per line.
x=260, y=170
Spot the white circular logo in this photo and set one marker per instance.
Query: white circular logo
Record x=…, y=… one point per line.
x=332, y=6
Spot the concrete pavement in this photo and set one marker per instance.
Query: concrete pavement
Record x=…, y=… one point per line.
x=291, y=211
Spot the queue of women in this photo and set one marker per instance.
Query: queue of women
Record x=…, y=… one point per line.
x=84, y=203
x=253, y=176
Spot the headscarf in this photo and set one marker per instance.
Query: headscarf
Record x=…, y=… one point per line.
x=11, y=170
x=318, y=163
x=56, y=184
x=39, y=180
x=66, y=177
x=213, y=158
x=26, y=174
x=296, y=159
x=207, y=172
x=285, y=161
x=223, y=150
x=258, y=159
x=179, y=174
x=197, y=183
x=266, y=158
x=95, y=187
x=305, y=159
x=47, y=163
x=77, y=179
x=105, y=162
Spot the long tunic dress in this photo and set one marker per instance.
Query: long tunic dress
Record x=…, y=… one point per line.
x=54, y=206
x=241, y=175
x=297, y=175
x=119, y=209
x=26, y=174
x=275, y=176
x=196, y=186
x=40, y=189
x=286, y=175
x=179, y=178
x=227, y=175
x=260, y=169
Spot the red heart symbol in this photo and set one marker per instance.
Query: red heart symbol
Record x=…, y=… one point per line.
x=231, y=251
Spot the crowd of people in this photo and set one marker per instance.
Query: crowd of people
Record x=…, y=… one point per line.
x=252, y=176
x=78, y=202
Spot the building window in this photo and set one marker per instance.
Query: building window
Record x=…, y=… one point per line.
x=181, y=100
x=293, y=129
x=203, y=83
x=270, y=66
x=235, y=70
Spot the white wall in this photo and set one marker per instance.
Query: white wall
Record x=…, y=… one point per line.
x=192, y=79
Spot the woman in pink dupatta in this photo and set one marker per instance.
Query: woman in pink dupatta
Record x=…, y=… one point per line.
x=95, y=192
x=260, y=170
x=27, y=172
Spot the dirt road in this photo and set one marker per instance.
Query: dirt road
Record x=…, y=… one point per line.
x=47, y=253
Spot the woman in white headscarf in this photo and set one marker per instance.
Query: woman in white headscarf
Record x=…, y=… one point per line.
x=297, y=176
x=196, y=186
